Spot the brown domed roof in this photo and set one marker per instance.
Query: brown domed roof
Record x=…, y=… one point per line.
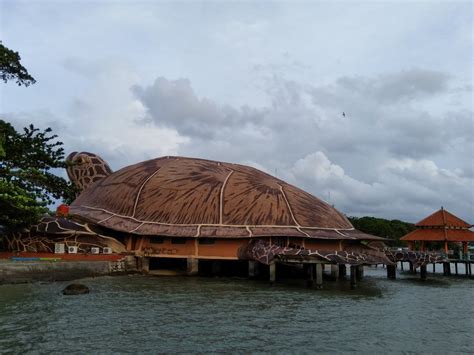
x=176, y=196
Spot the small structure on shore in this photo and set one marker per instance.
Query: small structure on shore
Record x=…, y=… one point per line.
x=442, y=227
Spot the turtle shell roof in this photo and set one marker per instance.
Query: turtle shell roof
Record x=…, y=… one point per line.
x=177, y=196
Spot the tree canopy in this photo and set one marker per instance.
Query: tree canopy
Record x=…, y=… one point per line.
x=11, y=68
x=27, y=183
x=392, y=229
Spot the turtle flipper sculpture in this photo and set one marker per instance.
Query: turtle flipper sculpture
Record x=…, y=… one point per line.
x=43, y=236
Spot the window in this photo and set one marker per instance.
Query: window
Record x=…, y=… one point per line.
x=178, y=241
x=157, y=240
x=207, y=241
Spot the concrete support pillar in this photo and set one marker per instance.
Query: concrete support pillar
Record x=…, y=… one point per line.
x=446, y=269
x=342, y=271
x=193, y=266
x=392, y=272
x=253, y=268
x=359, y=272
x=353, y=277
x=143, y=264
x=319, y=276
x=215, y=267
x=423, y=272
x=334, y=272
x=272, y=273
x=468, y=268
x=310, y=272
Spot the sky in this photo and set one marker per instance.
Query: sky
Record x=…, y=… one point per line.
x=366, y=105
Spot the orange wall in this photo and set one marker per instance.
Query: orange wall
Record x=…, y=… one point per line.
x=222, y=248
x=167, y=249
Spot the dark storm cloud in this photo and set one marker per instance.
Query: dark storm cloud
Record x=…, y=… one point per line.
x=349, y=116
x=173, y=103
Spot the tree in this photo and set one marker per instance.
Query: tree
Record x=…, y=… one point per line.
x=11, y=68
x=27, y=184
x=393, y=229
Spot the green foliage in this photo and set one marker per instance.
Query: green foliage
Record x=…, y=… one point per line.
x=2, y=143
x=11, y=69
x=27, y=182
x=19, y=207
x=393, y=229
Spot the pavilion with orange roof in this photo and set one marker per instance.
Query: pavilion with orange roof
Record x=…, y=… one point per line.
x=441, y=226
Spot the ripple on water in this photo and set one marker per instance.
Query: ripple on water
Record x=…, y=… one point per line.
x=193, y=315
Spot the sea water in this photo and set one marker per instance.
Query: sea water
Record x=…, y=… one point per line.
x=144, y=314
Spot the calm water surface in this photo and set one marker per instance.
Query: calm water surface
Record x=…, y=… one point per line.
x=139, y=314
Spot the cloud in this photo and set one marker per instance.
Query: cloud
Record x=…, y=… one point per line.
x=385, y=153
x=265, y=86
x=383, y=156
x=394, y=160
x=406, y=85
x=402, y=186
x=173, y=103
x=103, y=119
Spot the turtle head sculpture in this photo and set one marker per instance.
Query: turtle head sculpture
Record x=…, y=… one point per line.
x=86, y=168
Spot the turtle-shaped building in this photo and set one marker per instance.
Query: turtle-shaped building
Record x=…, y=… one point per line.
x=195, y=209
